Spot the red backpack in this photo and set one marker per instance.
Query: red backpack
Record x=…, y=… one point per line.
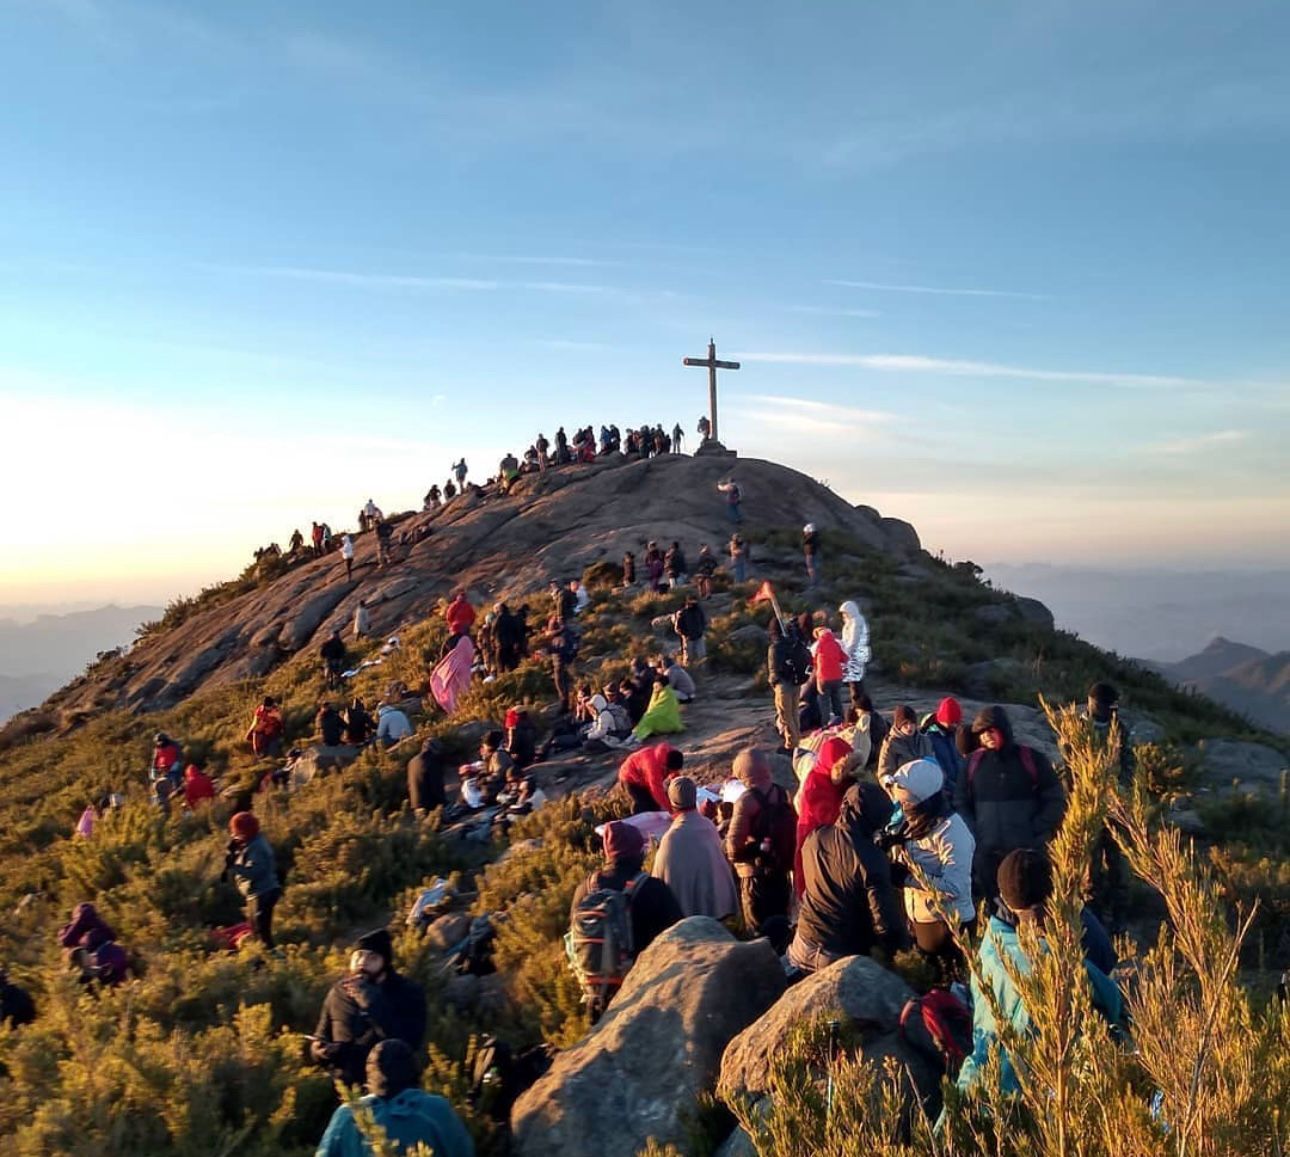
x=939, y=1026
x=1027, y=761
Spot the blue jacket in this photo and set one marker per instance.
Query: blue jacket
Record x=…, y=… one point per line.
x=407, y=1118
x=947, y=756
x=1002, y=937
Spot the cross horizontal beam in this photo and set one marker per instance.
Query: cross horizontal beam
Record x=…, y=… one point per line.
x=709, y=363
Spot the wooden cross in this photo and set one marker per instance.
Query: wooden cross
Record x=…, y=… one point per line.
x=713, y=366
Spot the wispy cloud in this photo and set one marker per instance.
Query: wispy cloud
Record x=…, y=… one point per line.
x=938, y=290
x=397, y=281
x=918, y=364
x=518, y=259
x=831, y=311
x=803, y=415
x=1198, y=443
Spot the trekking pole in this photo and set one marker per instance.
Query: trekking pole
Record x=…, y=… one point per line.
x=835, y=1029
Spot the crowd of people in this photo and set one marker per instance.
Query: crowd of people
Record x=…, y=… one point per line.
x=898, y=832
x=862, y=834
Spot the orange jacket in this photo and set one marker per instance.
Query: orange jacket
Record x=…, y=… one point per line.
x=460, y=616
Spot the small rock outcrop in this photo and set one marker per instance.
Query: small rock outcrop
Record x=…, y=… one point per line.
x=640, y=1070
x=856, y=990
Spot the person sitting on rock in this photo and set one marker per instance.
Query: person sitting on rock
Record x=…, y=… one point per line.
x=1024, y=884
x=849, y=905
x=690, y=859
x=760, y=843
x=330, y=725
x=407, y=1116
x=1008, y=794
x=521, y=736
x=903, y=744
x=392, y=725
x=370, y=1003
x=662, y=716
x=678, y=678
x=250, y=863
x=652, y=907
x=359, y=724
x=425, y=777
x=644, y=775
x=934, y=839
x=166, y=773
x=198, y=787
x=601, y=733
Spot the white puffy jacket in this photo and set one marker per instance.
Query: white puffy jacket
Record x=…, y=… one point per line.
x=855, y=642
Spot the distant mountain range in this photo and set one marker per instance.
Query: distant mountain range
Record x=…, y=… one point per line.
x=1244, y=678
x=1158, y=614
x=39, y=656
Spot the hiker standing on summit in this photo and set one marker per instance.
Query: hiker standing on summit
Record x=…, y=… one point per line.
x=1009, y=796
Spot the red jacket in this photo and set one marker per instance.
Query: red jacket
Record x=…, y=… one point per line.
x=197, y=786
x=820, y=800
x=829, y=658
x=165, y=757
x=460, y=616
x=648, y=768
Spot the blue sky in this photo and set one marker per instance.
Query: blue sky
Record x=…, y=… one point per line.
x=1015, y=272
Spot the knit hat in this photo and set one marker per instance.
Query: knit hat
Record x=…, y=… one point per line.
x=391, y=1068
x=377, y=941
x=1025, y=879
x=244, y=826
x=682, y=794
x=623, y=842
x=920, y=778
x=948, y=712
x=903, y=714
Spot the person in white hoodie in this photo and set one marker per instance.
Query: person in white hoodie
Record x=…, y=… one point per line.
x=936, y=839
x=855, y=644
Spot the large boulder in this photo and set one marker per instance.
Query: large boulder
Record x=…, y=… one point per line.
x=639, y=1072
x=1252, y=764
x=854, y=990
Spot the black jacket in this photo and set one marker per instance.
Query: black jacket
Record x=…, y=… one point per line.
x=425, y=777
x=331, y=726
x=396, y=1009
x=509, y=633
x=333, y=649
x=691, y=622
x=654, y=907
x=1004, y=805
x=849, y=905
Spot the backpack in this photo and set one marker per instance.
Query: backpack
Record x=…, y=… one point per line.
x=798, y=659
x=939, y=1026
x=1027, y=761
x=622, y=720
x=599, y=942
x=776, y=822
x=499, y=1075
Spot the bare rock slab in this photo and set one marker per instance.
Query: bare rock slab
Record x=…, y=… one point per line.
x=640, y=1070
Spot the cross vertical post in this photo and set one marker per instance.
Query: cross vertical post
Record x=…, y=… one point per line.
x=712, y=365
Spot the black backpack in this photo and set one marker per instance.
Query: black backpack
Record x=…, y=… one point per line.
x=776, y=822
x=798, y=659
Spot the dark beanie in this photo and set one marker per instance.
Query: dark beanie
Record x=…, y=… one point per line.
x=378, y=941
x=1025, y=879
x=623, y=841
x=391, y=1068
